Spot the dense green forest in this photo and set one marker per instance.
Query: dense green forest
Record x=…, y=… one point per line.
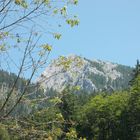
x=70, y=116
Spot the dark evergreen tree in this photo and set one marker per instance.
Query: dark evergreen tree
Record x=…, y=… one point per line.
x=131, y=116
x=135, y=73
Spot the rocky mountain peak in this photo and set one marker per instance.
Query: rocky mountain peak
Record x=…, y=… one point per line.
x=89, y=75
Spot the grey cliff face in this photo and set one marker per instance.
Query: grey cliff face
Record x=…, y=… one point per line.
x=90, y=75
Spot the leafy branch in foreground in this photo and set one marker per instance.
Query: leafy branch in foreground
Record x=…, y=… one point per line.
x=23, y=26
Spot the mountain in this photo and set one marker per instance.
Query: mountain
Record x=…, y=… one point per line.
x=89, y=75
x=73, y=71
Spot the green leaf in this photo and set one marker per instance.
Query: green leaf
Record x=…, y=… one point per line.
x=47, y=2
x=2, y=48
x=55, y=11
x=73, y=22
x=18, y=2
x=57, y=36
x=56, y=100
x=63, y=11
x=24, y=4
x=47, y=47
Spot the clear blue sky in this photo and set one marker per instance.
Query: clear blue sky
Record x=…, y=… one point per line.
x=108, y=30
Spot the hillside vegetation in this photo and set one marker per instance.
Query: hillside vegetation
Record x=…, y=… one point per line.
x=101, y=115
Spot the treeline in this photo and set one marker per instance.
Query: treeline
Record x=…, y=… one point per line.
x=7, y=79
x=70, y=116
